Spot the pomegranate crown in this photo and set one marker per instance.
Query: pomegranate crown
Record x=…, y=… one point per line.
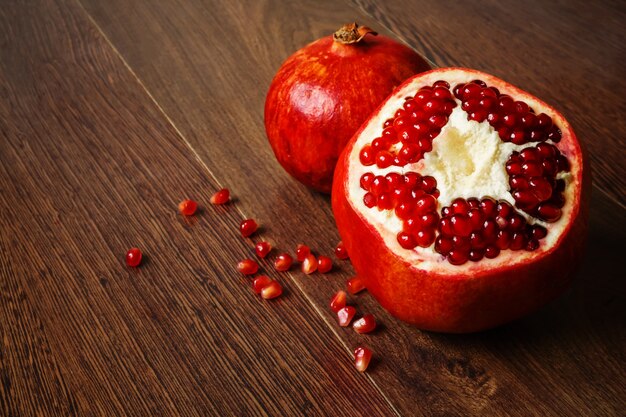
x=351, y=33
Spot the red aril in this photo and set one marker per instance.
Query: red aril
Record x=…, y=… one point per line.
x=248, y=267
x=365, y=324
x=133, y=257
x=324, y=264
x=187, y=207
x=487, y=221
x=338, y=301
x=362, y=358
x=345, y=315
x=260, y=282
x=323, y=92
x=355, y=285
x=272, y=290
x=302, y=251
x=309, y=264
x=262, y=249
x=283, y=262
x=248, y=227
x=341, y=252
x=220, y=197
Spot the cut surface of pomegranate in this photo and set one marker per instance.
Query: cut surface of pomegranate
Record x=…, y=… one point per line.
x=462, y=201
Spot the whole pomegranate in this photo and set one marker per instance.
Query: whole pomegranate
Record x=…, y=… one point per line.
x=462, y=201
x=325, y=91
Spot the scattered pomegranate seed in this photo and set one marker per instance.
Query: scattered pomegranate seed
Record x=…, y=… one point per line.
x=324, y=264
x=221, y=197
x=187, y=207
x=260, y=282
x=345, y=315
x=301, y=252
x=262, y=249
x=248, y=227
x=133, y=257
x=341, y=252
x=365, y=324
x=248, y=267
x=309, y=264
x=272, y=290
x=362, y=358
x=355, y=285
x=338, y=301
x=283, y=262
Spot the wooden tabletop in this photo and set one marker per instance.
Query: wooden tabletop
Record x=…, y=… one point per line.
x=112, y=112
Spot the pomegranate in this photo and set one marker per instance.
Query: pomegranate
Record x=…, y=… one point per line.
x=462, y=201
x=323, y=92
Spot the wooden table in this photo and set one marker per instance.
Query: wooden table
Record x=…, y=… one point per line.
x=112, y=112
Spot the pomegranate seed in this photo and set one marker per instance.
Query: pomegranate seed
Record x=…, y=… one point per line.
x=248, y=267
x=355, y=285
x=366, y=156
x=272, y=290
x=133, y=257
x=338, y=301
x=187, y=207
x=262, y=249
x=365, y=324
x=366, y=180
x=457, y=257
x=324, y=264
x=362, y=358
x=341, y=252
x=220, y=197
x=309, y=264
x=406, y=240
x=302, y=251
x=248, y=227
x=260, y=282
x=345, y=315
x=283, y=262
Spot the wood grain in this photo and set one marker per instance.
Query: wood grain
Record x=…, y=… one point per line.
x=91, y=166
x=565, y=360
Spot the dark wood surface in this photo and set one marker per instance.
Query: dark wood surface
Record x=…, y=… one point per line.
x=112, y=112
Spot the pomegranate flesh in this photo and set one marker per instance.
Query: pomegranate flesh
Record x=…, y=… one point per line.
x=462, y=201
x=325, y=91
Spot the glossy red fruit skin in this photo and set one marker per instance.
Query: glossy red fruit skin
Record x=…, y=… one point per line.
x=460, y=304
x=323, y=92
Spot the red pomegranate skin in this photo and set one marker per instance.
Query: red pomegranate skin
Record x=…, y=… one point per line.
x=323, y=93
x=458, y=304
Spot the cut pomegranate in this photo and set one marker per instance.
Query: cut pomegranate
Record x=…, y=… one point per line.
x=345, y=315
x=248, y=227
x=309, y=264
x=301, y=252
x=272, y=290
x=221, y=197
x=133, y=257
x=283, y=262
x=355, y=285
x=260, y=282
x=248, y=267
x=338, y=301
x=362, y=358
x=187, y=207
x=262, y=249
x=365, y=324
x=481, y=215
x=324, y=264
x=341, y=252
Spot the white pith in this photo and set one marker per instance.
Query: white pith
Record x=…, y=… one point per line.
x=468, y=160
